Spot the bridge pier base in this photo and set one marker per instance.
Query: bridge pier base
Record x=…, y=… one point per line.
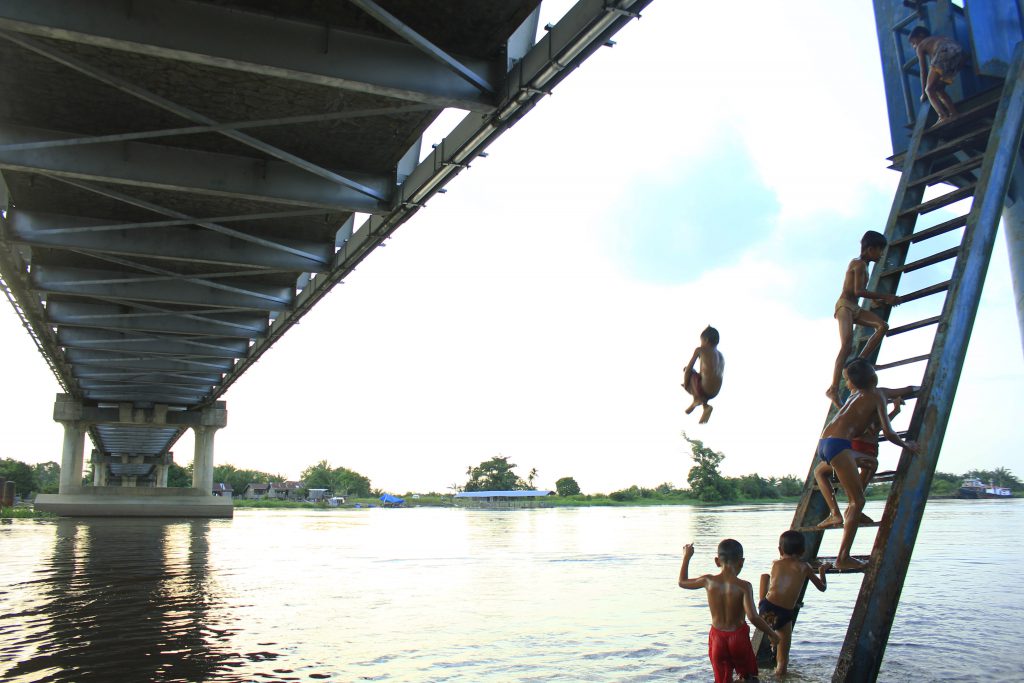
x=142, y=476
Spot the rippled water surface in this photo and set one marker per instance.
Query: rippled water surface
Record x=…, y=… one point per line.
x=433, y=594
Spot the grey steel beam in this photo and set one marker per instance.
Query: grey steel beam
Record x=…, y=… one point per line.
x=145, y=95
x=208, y=35
x=185, y=170
x=237, y=125
x=422, y=44
x=114, y=317
x=107, y=375
x=177, y=244
x=105, y=284
x=101, y=361
x=165, y=345
x=190, y=220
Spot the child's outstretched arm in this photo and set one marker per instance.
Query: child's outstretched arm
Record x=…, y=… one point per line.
x=755, y=618
x=890, y=433
x=818, y=579
x=684, y=580
x=924, y=72
x=860, y=282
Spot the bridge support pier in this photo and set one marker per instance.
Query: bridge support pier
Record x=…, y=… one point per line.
x=142, y=475
x=1013, y=228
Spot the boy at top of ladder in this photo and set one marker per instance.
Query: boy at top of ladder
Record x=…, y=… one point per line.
x=945, y=59
x=848, y=313
x=706, y=384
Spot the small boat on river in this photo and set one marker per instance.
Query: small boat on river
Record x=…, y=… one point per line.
x=973, y=488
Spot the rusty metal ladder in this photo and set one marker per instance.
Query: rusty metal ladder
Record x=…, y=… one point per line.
x=975, y=154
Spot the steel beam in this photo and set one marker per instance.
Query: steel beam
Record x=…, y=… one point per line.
x=208, y=35
x=184, y=170
x=196, y=322
x=105, y=284
x=177, y=244
x=85, y=360
x=171, y=345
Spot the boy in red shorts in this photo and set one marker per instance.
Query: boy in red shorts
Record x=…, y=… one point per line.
x=729, y=598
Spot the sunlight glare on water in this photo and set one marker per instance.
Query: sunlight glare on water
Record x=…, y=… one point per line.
x=437, y=594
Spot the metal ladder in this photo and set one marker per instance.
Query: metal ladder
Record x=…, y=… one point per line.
x=975, y=153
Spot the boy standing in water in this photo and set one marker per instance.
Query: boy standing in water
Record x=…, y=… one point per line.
x=706, y=384
x=945, y=58
x=729, y=598
x=835, y=447
x=848, y=313
x=780, y=592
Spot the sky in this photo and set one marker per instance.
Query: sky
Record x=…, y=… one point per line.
x=544, y=308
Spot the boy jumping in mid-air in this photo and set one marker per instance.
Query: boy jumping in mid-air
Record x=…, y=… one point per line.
x=729, y=598
x=945, y=59
x=848, y=313
x=780, y=592
x=835, y=447
x=706, y=384
x=865, y=447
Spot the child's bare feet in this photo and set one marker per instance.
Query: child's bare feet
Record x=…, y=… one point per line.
x=693, y=406
x=864, y=519
x=833, y=395
x=833, y=521
x=848, y=563
x=706, y=415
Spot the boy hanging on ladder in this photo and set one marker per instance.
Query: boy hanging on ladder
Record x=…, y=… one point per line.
x=848, y=313
x=706, y=384
x=866, y=403
x=945, y=59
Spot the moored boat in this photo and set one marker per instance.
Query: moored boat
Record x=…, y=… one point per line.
x=974, y=488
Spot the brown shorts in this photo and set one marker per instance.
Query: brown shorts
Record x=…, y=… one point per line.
x=846, y=303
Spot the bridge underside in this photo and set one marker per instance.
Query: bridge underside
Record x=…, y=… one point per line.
x=183, y=179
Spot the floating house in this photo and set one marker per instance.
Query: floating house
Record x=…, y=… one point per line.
x=502, y=500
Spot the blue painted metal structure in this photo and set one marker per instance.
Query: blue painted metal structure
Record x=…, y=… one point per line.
x=976, y=155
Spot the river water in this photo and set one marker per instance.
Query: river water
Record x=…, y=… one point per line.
x=436, y=594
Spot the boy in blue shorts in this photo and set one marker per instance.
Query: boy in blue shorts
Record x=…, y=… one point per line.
x=866, y=403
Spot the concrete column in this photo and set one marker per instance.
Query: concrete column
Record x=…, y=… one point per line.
x=99, y=469
x=68, y=412
x=163, y=469
x=211, y=420
x=1013, y=228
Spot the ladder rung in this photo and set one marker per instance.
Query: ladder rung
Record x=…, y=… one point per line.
x=949, y=171
x=893, y=331
x=905, y=361
x=832, y=561
x=922, y=263
x=812, y=529
x=882, y=477
x=939, y=202
x=927, y=291
x=989, y=102
x=955, y=144
x=934, y=231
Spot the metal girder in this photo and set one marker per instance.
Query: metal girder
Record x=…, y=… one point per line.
x=106, y=284
x=131, y=342
x=135, y=440
x=194, y=322
x=185, y=170
x=188, y=114
x=86, y=375
x=105, y=361
x=202, y=33
x=182, y=244
x=422, y=44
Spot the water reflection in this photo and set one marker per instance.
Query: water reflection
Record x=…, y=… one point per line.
x=123, y=600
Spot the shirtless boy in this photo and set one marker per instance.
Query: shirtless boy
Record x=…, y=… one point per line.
x=729, y=598
x=849, y=313
x=945, y=59
x=835, y=447
x=866, y=451
x=780, y=591
x=706, y=384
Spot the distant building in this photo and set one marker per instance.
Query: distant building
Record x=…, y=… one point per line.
x=316, y=494
x=502, y=499
x=285, y=490
x=222, y=490
x=256, y=491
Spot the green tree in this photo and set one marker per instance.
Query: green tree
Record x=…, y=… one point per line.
x=47, y=476
x=238, y=478
x=789, y=486
x=495, y=474
x=706, y=482
x=22, y=474
x=180, y=477
x=567, y=486
x=754, y=487
x=319, y=476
